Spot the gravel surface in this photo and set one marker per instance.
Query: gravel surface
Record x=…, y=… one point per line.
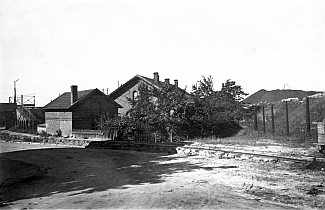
x=78, y=178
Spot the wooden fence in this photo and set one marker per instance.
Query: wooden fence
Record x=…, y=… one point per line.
x=289, y=118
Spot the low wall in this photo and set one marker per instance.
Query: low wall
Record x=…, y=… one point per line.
x=45, y=140
x=168, y=148
x=89, y=134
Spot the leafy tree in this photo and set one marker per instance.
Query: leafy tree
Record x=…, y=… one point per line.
x=230, y=100
x=161, y=109
x=216, y=112
x=204, y=89
x=233, y=91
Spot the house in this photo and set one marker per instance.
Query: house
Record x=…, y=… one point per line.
x=78, y=110
x=8, y=115
x=129, y=90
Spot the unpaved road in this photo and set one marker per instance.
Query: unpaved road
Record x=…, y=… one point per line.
x=79, y=178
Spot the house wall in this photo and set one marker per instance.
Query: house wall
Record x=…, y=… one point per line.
x=8, y=115
x=58, y=121
x=123, y=99
x=87, y=112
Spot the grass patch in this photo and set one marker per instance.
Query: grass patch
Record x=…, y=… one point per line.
x=249, y=137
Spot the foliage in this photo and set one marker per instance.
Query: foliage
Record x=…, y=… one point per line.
x=167, y=112
x=161, y=110
x=216, y=112
x=58, y=133
x=43, y=134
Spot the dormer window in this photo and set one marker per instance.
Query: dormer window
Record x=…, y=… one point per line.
x=135, y=95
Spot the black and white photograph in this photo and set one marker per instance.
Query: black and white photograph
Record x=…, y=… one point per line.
x=175, y=104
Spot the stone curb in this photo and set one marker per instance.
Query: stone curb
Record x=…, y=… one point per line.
x=28, y=138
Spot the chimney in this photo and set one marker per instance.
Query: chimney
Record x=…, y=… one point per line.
x=74, y=93
x=156, y=76
x=176, y=82
x=167, y=81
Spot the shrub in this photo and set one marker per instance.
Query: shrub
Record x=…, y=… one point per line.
x=43, y=134
x=58, y=133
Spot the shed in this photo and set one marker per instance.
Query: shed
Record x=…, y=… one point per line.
x=78, y=110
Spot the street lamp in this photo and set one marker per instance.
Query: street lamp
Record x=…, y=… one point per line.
x=15, y=90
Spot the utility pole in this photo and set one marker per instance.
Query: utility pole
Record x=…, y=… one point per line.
x=15, y=91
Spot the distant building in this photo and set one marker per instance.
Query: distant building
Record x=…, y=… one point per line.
x=129, y=90
x=78, y=110
x=8, y=115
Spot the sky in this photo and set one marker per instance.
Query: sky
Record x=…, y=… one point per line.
x=51, y=45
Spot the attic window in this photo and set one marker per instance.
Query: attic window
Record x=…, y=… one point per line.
x=135, y=95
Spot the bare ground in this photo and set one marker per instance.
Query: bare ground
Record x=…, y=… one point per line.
x=78, y=178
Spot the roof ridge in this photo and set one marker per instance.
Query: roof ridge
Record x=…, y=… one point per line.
x=63, y=101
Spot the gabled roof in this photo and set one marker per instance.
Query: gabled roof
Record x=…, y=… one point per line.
x=126, y=86
x=64, y=100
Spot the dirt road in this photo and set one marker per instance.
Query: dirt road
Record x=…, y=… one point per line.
x=78, y=178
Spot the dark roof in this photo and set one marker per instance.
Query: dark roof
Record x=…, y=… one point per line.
x=123, y=88
x=64, y=100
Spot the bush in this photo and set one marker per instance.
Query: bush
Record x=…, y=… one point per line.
x=43, y=134
x=58, y=133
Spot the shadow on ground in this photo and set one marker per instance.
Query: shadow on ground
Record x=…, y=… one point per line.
x=78, y=171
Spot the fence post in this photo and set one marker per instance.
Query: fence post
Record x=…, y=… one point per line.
x=264, y=120
x=287, y=118
x=272, y=117
x=307, y=116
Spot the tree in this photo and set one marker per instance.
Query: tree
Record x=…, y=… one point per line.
x=204, y=88
x=200, y=115
x=233, y=91
x=230, y=100
x=216, y=112
x=161, y=109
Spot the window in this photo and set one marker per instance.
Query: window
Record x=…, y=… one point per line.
x=135, y=95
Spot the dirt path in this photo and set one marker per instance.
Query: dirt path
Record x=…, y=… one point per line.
x=80, y=178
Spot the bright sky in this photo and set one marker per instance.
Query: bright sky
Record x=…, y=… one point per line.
x=51, y=45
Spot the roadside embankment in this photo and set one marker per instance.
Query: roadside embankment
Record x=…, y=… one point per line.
x=23, y=137
x=234, y=152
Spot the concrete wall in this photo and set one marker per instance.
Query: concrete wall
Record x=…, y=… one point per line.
x=58, y=121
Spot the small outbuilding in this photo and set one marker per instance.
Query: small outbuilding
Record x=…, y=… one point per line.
x=8, y=115
x=78, y=110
